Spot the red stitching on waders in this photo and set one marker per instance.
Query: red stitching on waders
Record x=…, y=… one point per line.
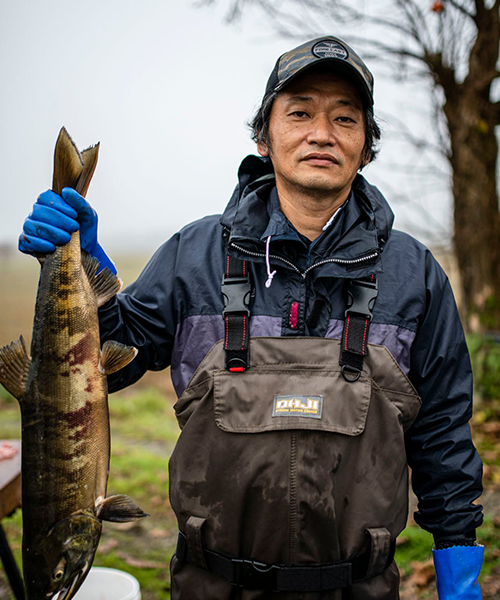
x=244, y=267
x=244, y=332
x=227, y=331
x=293, y=498
x=347, y=331
x=294, y=315
x=364, y=335
x=227, y=269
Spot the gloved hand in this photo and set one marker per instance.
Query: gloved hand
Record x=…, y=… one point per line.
x=457, y=570
x=55, y=218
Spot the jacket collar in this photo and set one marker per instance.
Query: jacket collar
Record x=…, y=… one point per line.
x=253, y=214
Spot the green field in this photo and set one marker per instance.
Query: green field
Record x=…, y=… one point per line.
x=144, y=431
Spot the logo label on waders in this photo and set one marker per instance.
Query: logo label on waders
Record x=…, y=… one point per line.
x=298, y=406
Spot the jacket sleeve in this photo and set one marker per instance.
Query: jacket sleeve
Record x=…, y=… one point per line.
x=144, y=316
x=446, y=468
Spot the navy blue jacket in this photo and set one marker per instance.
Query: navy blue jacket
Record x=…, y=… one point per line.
x=173, y=315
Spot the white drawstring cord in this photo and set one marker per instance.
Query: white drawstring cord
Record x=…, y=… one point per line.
x=268, y=266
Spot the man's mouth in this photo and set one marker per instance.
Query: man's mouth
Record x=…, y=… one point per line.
x=320, y=159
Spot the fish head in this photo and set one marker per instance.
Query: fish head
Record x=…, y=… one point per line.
x=62, y=559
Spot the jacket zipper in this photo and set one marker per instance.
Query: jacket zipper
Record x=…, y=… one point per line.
x=341, y=261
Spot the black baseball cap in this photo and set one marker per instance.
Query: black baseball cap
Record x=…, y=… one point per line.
x=323, y=50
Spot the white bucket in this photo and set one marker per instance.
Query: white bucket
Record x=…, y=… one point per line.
x=109, y=584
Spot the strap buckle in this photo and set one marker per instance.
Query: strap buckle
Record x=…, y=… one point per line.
x=253, y=575
x=361, y=296
x=236, y=293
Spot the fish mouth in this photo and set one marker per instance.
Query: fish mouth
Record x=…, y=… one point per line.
x=70, y=589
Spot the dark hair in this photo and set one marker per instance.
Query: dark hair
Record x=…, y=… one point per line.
x=259, y=127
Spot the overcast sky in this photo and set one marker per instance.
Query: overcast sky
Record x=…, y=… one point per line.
x=167, y=89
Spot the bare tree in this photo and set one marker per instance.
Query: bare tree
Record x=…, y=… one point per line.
x=454, y=44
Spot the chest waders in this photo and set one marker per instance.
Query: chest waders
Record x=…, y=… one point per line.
x=289, y=479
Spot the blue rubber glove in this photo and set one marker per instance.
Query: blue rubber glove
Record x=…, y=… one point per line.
x=55, y=218
x=457, y=570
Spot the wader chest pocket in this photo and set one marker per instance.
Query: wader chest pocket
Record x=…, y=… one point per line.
x=263, y=399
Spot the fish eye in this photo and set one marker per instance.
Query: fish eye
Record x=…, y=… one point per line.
x=58, y=575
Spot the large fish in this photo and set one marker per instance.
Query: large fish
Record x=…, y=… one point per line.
x=62, y=392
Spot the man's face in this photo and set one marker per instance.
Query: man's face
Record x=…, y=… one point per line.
x=317, y=135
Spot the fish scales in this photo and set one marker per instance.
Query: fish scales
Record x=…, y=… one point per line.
x=67, y=394
x=62, y=392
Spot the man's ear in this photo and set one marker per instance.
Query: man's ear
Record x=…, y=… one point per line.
x=366, y=160
x=262, y=149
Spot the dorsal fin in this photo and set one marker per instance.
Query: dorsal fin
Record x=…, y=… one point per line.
x=68, y=163
x=89, y=157
x=105, y=284
x=90, y=265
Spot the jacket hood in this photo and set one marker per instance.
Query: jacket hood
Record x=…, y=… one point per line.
x=252, y=216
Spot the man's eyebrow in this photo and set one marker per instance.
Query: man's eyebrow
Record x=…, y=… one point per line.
x=342, y=101
x=299, y=99
x=346, y=102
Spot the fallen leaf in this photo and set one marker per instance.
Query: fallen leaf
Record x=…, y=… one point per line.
x=138, y=563
x=127, y=526
x=490, y=455
x=491, y=427
x=423, y=573
x=158, y=533
x=105, y=547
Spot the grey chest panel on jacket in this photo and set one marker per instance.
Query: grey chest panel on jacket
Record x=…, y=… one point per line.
x=289, y=463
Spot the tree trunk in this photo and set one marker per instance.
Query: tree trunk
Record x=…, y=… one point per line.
x=476, y=216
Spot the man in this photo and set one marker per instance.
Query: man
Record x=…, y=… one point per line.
x=289, y=479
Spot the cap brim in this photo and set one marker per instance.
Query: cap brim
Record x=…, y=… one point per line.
x=339, y=66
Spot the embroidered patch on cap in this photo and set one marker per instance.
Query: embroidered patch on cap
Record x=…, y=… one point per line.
x=298, y=406
x=332, y=49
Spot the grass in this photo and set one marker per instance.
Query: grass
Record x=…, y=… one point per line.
x=414, y=545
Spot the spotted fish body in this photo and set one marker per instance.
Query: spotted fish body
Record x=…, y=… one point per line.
x=62, y=391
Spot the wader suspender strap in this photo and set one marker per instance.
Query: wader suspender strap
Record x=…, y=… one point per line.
x=361, y=296
x=236, y=291
x=253, y=575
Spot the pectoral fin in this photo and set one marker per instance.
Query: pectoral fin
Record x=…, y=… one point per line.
x=115, y=356
x=118, y=509
x=14, y=366
x=105, y=284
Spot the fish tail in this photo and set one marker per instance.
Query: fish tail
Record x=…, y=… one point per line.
x=68, y=163
x=89, y=157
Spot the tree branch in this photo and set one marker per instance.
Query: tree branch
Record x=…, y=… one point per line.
x=417, y=22
x=461, y=9
x=480, y=7
x=376, y=45
x=402, y=131
x=444, y=76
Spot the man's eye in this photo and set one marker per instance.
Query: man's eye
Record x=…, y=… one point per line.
x=345, y=119
x=299, y=113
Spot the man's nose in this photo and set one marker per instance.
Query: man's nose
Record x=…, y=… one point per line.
x=321, y=132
